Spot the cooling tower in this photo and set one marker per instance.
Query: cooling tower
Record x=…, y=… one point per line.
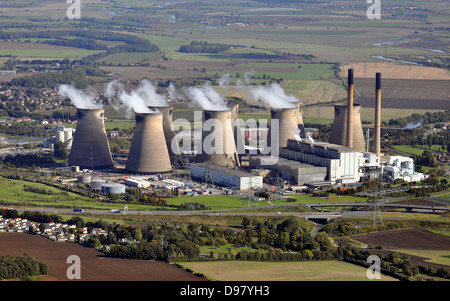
x=300, y=124
x=90, y=148
x=287, y=125
x=350, y=115
x=377, y=136
x=238, y=138
x=148, y=151
x=339, y=128
x=169, y=132
x=218, y=144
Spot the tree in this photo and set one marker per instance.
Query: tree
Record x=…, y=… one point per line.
x=60, y=150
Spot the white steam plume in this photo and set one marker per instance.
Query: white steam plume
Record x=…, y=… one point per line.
x=148, y=92
x=207, y=98
x=78, y=98
x=272, y=96
x=224, y=80
x=172, y=92
x=248, y=76
x=124, y=102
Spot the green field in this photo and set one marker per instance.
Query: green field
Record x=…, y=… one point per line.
x=433, y=256
x=417, y=150
x=280, y=271
x=217, y=202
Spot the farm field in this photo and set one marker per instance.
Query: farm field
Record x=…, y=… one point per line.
x=395, y=71
x=94, y=267
x=281, y=271
x=424, y=247
x=417, y=150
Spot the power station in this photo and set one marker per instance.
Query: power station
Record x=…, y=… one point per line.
x=154, y=150
x=90, y=148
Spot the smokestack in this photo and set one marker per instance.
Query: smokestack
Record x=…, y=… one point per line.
x=339, y=128
x=287, y=124
x=377, y=138
x=148, y=151
x=90, y=148
x=224, y=151
x=169, y=132
x=350, y=109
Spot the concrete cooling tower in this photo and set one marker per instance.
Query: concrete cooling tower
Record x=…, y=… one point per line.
x=169, y=132
x=90, y=148
x=300, y=124
x=148, y=151
x=287, y=125
x=223, y=150
x=238, y=138
x=339, y=131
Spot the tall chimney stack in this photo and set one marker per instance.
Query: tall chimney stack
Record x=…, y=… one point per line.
x=350, y=109
x=377, y=138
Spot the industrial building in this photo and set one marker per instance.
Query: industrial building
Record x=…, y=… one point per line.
x=90, y=148
x=399, y=167
x=223, y=176
x=62, y=134
x=307, y=162
x=290, y=170
x=137, y=182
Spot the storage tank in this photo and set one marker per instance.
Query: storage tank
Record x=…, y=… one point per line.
x=148, y=151
x=224, y=151
x=113, y=188
x=90, y=148
x=85, y=179
x=97, y=183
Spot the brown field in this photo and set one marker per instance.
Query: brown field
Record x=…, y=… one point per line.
x=408, y=239
x=404, y=93
x=394, y=70
x=94, y=267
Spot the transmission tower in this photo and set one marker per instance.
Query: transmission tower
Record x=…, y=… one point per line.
x=374, y=206
x=208, y=176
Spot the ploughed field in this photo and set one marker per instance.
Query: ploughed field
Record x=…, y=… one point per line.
x=94, y=267
x=423, y=247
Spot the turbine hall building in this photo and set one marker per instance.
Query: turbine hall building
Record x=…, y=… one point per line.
x=224, y=176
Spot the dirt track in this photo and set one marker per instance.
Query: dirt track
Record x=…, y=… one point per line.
x=94, y=267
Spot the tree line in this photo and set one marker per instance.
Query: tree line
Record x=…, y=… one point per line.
x=203, y=47
x=23, y=267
